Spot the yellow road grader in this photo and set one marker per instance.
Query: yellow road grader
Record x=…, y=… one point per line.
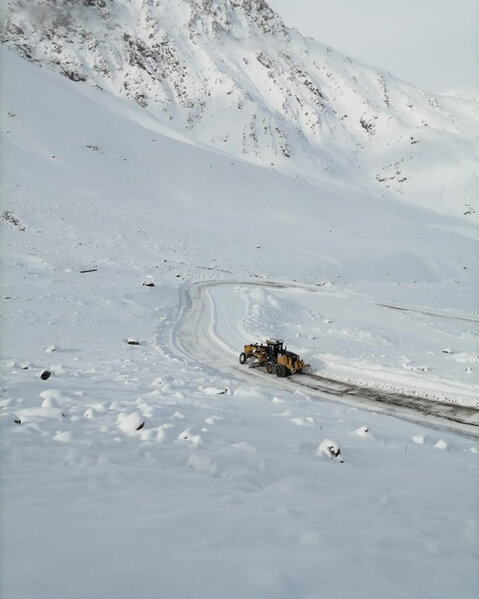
x=273, y=356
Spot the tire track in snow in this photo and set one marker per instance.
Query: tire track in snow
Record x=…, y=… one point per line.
x=196, y=336
x=430, y=313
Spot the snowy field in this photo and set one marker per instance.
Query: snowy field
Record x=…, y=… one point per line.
x=227, y=489
x=137, y=470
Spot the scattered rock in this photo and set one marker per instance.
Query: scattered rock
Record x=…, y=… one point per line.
x=11, y=218
x=73, y=76
x=45, y=375
x=141, y=426
x=330, y=449
x=214, y=391
x=362, y=431
x=367, y=125
x=18, y=421
x=131, y=341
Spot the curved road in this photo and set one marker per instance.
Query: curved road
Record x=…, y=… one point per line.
x=206, y=333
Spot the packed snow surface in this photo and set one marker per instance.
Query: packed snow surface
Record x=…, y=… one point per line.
x=133, y=469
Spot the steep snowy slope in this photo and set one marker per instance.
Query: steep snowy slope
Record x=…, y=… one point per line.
x=75, y=153
x=230, y=74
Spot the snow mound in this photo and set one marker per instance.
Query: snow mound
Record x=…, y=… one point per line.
x=214, y=391
x=188, y=436
x=64, y=437
x=419, y=439
x=201, y=462
x=362, y=431
x=329, y=449
x=52, y=398
x=129, y=423
x=49, y=402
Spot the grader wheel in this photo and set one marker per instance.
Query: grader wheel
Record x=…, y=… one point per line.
x=280, y=370
x=269, y=368
x=242, y=357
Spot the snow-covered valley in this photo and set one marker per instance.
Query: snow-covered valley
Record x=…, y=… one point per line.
x=140, y=469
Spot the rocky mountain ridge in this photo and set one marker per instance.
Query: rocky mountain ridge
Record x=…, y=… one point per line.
x=230, y=74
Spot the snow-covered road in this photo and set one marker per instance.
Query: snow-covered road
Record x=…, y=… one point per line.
x=213, y=329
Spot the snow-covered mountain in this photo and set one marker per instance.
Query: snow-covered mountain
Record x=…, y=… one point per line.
x=179, y=178
x=230, y=74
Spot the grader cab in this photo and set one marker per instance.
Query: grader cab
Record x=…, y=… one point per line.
x=273, y=356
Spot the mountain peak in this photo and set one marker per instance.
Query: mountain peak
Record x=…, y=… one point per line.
x=220, y=15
